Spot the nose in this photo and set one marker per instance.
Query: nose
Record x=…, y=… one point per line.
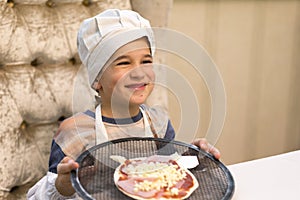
x=137, y=73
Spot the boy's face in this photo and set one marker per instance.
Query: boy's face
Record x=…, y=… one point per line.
x=129, y=77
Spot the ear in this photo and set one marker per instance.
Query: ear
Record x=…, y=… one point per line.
x=97, y=85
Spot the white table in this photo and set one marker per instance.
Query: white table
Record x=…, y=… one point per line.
x=276, y=177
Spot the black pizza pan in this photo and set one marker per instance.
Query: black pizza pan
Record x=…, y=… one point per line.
x=94, y=178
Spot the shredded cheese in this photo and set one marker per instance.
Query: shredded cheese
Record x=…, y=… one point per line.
x=162, y=175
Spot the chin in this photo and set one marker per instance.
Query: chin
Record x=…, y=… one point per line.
x=138, y=100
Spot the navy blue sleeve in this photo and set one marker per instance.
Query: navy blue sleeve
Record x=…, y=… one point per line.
x=56, y=156
x=170, y=133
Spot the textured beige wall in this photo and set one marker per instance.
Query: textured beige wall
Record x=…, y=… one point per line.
x=255, y=45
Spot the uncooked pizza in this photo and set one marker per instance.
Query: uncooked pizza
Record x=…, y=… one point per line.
x=154, y=177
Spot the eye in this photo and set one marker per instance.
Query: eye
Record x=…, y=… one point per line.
x=147, y=61
x=123, y=63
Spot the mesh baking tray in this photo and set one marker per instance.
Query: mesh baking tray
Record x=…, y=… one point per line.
x=94, y=178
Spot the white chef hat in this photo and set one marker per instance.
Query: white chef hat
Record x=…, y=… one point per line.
x=100, y=36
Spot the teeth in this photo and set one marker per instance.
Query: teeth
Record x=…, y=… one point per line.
x=137, y=85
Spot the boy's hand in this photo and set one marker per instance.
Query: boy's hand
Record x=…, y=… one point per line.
x=63, y=182
x=204, y=145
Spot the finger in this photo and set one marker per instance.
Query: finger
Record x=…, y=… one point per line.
x=200, y=142
x=205, y=146
x=66, y=166
x=66, y=159
x=214, y=151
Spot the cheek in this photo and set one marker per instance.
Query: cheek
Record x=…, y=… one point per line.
x=153, y=76
x=108, y=85
x=112, y=79
x=150, y=74
x=116, y=83
x=151, y=86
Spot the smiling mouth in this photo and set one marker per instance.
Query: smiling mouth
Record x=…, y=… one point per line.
x=139, y=86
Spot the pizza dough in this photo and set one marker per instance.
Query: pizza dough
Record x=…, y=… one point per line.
x=154, y=177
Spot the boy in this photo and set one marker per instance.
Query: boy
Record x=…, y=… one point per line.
x=117, y=47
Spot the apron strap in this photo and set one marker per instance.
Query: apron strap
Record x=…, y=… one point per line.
x=147, y=124
x=101, y=133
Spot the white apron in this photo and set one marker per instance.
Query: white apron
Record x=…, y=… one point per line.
x=101, y=133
